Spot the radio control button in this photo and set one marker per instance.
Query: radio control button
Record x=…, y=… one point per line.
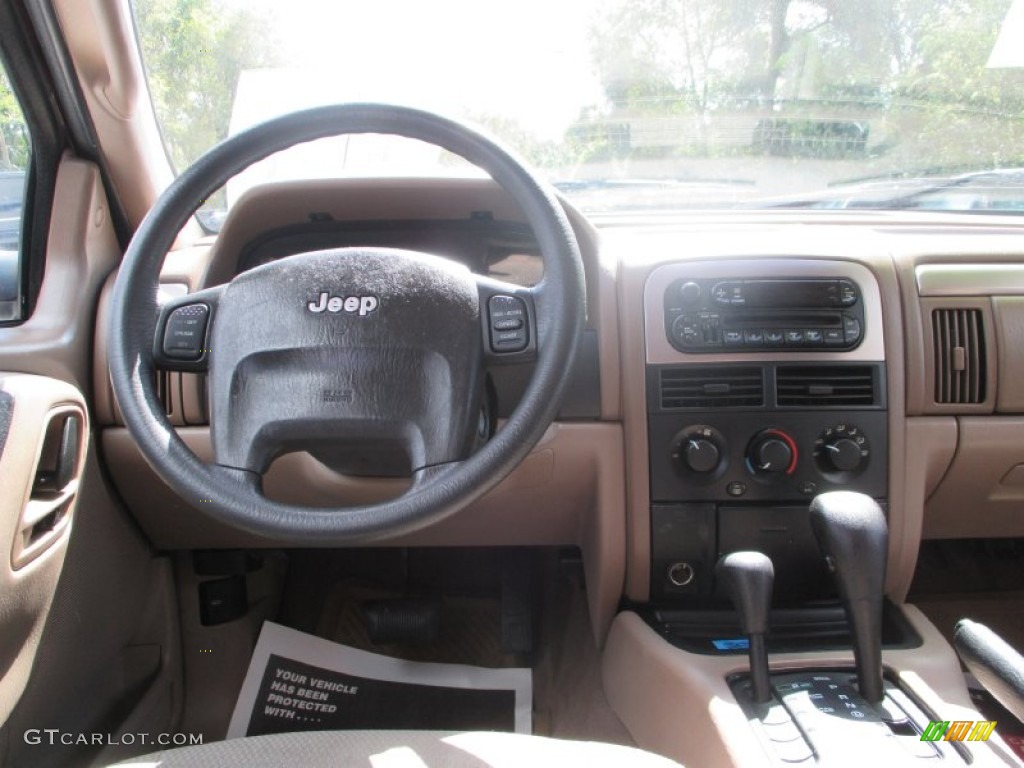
x=733, y=338
x=813, y=336
x=834, y=337
x=847, y=293
x=794, y=337
x=754, y=338
x=690, y=294
x=851, y=329
x=774, y=336
x=722, y=293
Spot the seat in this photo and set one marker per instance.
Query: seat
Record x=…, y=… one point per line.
x=400, y=749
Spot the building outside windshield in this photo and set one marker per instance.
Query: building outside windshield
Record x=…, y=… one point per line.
x=626, y=105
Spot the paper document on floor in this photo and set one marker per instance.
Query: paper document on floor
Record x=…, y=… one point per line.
x=299, y=682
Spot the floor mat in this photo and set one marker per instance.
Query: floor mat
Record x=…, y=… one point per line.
x=569, y=699
x=470, y=630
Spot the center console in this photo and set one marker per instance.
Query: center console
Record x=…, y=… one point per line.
x=766, y=386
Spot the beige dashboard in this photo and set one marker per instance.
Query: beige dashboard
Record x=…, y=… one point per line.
x=946, y=304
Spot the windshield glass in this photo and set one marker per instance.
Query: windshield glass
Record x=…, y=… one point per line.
x=624, y=104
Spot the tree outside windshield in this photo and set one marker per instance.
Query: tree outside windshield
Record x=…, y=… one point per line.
x=625, y=103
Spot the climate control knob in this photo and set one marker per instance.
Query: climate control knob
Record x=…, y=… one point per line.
x=843, y=454
x=701, y=455
x=772, y=453
x=699, y=450
x=841, y=450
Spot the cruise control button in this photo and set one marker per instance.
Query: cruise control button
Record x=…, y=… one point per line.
x=185, y=332
x=509, y=341
x=507, y=318
x=507, y=324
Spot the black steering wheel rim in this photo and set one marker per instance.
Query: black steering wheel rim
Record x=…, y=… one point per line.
x=236, y=500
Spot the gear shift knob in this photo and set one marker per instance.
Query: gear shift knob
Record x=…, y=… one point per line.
x=748, y=577
x=852, y=533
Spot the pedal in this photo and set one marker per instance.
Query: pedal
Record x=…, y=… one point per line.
x=516, y=603
x=402, y=621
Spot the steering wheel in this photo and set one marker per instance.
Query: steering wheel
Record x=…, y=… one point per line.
x=365, y=347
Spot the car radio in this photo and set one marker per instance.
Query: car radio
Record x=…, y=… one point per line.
x=714, y=315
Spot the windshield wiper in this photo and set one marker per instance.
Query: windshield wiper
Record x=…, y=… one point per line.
x=999, y=191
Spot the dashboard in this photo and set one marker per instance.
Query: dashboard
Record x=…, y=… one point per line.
x=732, y=366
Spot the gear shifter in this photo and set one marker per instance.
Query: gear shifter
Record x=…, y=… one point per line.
x=748, y=576
x=852, y=533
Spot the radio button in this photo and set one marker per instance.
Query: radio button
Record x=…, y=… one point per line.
x=794, y=337
x=847, y=293
x=722, y=293
x=851, y=329
x=754, y=338
x=689, y=294
x=774, y=336
x=733, y=338
x=813, y=336
x=834, y=337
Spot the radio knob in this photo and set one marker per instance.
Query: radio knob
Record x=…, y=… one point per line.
x=701, y=455
x=689, y=294
x=772, y=453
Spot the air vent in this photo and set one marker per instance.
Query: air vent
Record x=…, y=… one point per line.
x=826, y=385
x=958, y=340
x=706, y=386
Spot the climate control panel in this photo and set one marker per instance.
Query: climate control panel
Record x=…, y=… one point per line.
x=767, y=456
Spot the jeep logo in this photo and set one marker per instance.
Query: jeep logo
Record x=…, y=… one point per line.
x=364, y=305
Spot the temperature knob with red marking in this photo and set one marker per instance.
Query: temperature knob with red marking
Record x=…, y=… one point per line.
x=771, y=454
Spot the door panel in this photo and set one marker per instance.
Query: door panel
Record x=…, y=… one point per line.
x=44, y=429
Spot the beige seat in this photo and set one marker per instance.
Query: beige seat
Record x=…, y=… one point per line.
x=401, y=749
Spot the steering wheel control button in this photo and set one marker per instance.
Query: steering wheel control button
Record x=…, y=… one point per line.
x=507, y=320
x=185, y=332
x=508, y=324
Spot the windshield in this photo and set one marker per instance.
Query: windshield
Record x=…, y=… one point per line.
x=624, y=104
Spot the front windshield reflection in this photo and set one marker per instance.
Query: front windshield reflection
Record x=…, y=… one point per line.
x=625, y=104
